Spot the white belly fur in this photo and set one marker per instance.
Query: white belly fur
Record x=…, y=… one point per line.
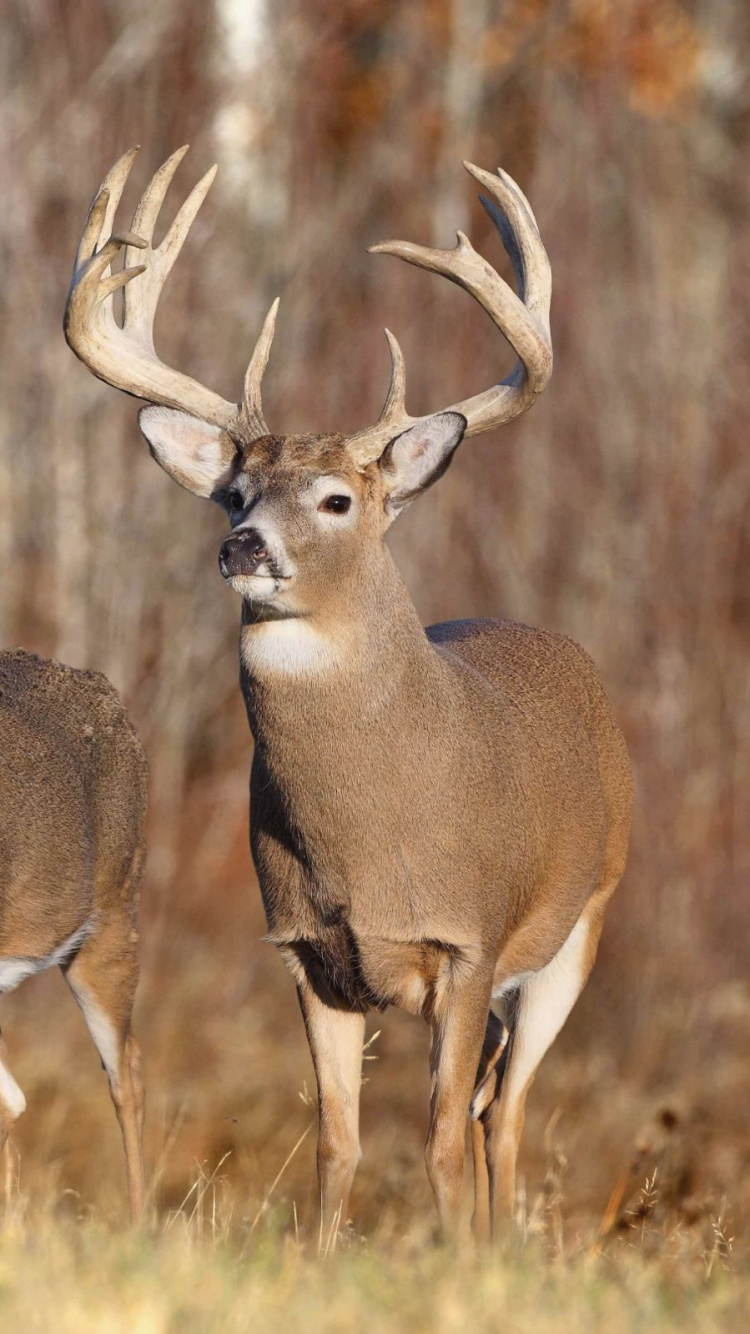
x=15, y=970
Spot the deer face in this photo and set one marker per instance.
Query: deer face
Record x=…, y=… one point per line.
x=300, y=516
x=305, y=516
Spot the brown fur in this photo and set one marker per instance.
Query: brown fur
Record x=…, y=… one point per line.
x=73, y=789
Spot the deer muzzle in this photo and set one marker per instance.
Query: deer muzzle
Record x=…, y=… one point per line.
x=243, y=552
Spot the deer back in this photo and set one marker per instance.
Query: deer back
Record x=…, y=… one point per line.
x=72, y=801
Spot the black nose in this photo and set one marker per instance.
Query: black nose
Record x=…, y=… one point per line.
x=242, y=553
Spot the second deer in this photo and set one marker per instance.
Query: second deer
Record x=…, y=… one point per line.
x=73, y=779
x=438, y=818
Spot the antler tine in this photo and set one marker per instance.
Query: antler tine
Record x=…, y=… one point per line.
x=518, y=229
x=104, y=205
x=147, y=213
x=523, y=319
x=394, y=408
x=142, y=299
x=252, y=399
x=114, y=183
x=125, y=357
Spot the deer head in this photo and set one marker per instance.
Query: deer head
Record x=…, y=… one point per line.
x=306, y=511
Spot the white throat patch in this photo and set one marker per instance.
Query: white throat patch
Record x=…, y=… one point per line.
x=290, y=647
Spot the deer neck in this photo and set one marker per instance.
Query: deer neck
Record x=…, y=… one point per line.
x=339, y=667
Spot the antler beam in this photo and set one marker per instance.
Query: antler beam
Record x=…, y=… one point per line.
x=522, y=318
x=125, y=356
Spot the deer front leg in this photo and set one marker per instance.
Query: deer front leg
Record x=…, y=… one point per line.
x=336, y=1038
x=458, y=1025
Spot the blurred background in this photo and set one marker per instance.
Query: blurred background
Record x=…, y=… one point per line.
x=617, y=511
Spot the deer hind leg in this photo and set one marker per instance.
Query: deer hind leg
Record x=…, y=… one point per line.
x=543, y=1001
x=458, y=1024
x=486, y=1089
x=103, y=977
x=12, y=1101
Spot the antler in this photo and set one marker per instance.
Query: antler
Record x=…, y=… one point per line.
x=125, y=356
x=523, y=319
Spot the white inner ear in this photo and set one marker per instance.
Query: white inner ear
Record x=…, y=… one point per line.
x=415, y=459
x=195, y=453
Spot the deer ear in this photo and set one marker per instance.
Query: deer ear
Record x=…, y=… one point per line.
x=193, y=452
x=415, y=459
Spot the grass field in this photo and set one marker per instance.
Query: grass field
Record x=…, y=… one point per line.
x=197, y=1274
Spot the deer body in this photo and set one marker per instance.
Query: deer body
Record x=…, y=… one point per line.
x=437, y=818
x=72, y=813
x=397, y=807
x=431, y=809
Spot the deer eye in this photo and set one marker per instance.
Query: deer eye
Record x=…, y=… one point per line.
x=236, y=500
x=337, y=504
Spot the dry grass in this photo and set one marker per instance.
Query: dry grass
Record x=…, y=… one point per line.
x=208, y=1266
x=82, y=1278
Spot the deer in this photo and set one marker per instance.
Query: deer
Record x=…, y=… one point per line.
x=438, y=817
x=73, y=794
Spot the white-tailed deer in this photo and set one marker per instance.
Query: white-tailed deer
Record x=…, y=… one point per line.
x=437, y=818
x=72, y=812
